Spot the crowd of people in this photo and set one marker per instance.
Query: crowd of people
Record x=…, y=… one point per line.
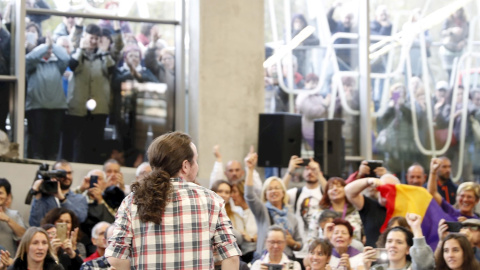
x=405, y=100
x=329, y=223
x=83, y=77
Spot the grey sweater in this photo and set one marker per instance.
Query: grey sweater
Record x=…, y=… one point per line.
x=422, y=257
x=262, y=217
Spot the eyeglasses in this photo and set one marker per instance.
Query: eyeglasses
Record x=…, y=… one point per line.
x=271, y=242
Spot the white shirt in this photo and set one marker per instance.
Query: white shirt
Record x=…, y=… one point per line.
x=310, y=198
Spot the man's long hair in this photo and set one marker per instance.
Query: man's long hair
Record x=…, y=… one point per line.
x=166, y=155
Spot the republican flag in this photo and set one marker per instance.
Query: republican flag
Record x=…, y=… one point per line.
x=403, y=199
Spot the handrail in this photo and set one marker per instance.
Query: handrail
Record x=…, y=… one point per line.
x=40, y=11
x=466, y=85
x=8, y=78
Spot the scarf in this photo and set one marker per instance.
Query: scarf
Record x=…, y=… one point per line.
x=279, y=216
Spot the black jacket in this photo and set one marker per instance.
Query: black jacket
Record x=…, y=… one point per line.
x=49, y=264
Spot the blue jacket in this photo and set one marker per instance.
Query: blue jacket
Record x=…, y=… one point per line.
x=75, y=202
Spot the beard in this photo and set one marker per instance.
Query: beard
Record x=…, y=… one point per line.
x=444, y=177
x=311, y=181
x=64, y=186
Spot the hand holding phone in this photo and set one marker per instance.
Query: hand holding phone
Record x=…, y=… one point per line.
x=454, y=226
x=381, y=254
x=373, y=164
x=273, y=266
x=61, y=231
x=93, y=180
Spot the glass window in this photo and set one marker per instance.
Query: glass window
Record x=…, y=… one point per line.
x=423, y=85
x=7, y=38
x=97, y=89
x=6, y=108
x=152, y=9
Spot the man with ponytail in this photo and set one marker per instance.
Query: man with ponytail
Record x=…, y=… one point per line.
x=168, y=222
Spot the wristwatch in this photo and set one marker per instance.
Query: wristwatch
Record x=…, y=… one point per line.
x=33, y=192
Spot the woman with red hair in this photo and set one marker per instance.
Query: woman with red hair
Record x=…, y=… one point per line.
x=334, y=198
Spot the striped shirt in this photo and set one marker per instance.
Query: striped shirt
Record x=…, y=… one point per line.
x=194, y=226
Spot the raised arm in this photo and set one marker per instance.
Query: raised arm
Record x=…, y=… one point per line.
x=217, y=171
x=421, y=253
x=355, y=188
x=293, y=164
x=432, y=180
x=250, y=162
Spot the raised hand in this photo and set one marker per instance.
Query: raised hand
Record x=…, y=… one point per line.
x=251, y=159
x=442, y=229
x=435, y=165
x=415, y=222
x=294, y=163
x=363, y=170
x=216, y=153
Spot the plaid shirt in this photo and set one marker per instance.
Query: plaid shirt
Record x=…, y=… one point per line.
x=96, y=264
x=194, y=227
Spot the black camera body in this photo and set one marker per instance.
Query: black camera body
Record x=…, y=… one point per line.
x=48, y=186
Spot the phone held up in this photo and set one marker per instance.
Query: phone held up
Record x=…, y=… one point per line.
x=373, y=164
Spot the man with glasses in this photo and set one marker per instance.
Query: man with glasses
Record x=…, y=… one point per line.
x=276, y=243
x=65, y=198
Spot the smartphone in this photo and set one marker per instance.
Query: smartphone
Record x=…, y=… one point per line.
x=61, y=231
x=273, y=266
x=454, y=226
x=93, y=180
x=381, y=254
x=373, y=164
x=305, y=162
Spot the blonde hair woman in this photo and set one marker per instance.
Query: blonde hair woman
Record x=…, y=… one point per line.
x=35, y=252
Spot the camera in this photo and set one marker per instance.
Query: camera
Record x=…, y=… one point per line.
x=48, y=186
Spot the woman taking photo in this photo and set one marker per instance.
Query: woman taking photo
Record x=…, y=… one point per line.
x=455, y=253
x=63, y=215
x=248, y=226
x=271, y=209
x=64, y=251
x=405, y=250
x=35, y=252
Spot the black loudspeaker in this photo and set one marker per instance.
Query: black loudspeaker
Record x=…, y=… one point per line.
x=329, y=146
x=279, y=138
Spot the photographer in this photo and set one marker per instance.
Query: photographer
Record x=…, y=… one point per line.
x=62, y=198
x=102, y=204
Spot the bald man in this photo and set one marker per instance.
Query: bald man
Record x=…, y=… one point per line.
x=416, y=175
x=372, y=212
x=233, y=171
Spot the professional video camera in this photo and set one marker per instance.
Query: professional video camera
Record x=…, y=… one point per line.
x=48, y=186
